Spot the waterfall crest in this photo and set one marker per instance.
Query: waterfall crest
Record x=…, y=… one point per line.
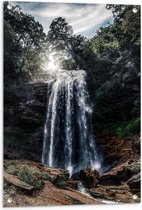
x=68, y=137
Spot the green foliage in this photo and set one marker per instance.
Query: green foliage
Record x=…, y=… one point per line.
x=128, y=131
x=104, y=41
x=123, y=130
x=24, y=40
x=61, y=39
x=31, y=176
x=59, y=34
x=46, y=176
x=135, y=168
x=116, y=80
x=27, y=173
x=127, y=24
x=61, y=181
x=10, y=167
x=111, y=59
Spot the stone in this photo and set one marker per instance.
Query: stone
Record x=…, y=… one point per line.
x=17, y=182
x=134, y=184
x=72, y=184
x=88, y=177
x=115, y=151
x=119, y=193
x=49, y=194
x=120, y=173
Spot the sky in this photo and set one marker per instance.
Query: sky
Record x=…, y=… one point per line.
x=85, y=19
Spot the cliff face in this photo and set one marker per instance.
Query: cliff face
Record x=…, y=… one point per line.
x=24, y=116
x=115, y=151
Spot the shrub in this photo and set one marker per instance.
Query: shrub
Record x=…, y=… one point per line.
x=31, y=176
x=11, y=169
x=61, y=181
x=129, y=130
x=46, y=176
x=135, y=168
x=123, y=130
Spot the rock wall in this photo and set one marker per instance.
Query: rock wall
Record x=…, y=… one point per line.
x=24, y=116
x=115, y=151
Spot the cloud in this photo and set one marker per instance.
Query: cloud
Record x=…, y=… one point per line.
x=84, y=18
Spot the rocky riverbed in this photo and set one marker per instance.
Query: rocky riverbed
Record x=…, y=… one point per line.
x=27, y=183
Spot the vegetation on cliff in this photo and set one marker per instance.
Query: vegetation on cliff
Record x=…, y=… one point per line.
x=111, y=59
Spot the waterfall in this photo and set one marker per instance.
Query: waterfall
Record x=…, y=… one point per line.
x=68, y=137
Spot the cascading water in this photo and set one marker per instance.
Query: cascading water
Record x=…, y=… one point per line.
x=68, y=138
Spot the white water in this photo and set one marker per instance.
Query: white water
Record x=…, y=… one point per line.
x=82, y=189
x=68, y=138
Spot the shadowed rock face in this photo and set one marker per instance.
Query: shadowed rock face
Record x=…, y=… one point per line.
x=24, y=120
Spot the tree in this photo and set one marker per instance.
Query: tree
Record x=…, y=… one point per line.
x=61, y=38
x=117, y=68
x=60, y=34
x=127, y=24
x=28, y=34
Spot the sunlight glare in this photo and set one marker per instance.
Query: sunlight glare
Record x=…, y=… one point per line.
x=52, y=64
x=54, y=59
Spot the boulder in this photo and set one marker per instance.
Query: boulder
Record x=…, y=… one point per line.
x=134, y=184
x=73, y=184
x=88, y=177
x=17, y=182
x=120, y=173
x=119, y=193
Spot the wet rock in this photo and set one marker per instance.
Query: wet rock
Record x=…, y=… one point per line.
x=134, y=184
x=88, y=177
x=120, y=173
x=73, y=184
x=119, y=193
